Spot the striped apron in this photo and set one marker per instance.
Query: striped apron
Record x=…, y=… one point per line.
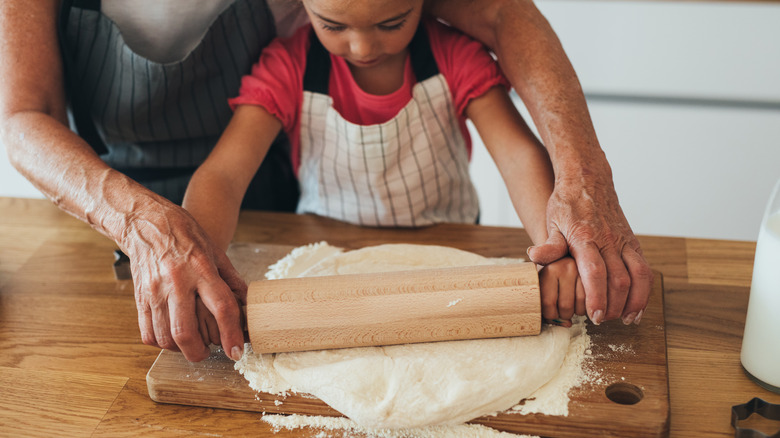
x=409, y=171
x=157, y=122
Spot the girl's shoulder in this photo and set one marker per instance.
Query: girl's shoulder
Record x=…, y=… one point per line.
x=275, y=81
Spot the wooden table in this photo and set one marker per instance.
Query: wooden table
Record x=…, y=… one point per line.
x=72, y=362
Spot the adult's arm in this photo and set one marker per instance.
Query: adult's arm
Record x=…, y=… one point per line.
x=526, y=169
x=584, y=217
x=173, y=260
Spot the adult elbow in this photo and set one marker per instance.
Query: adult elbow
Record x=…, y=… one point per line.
x=17, y=128
x=494, y=15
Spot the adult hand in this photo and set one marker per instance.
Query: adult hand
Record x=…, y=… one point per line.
x=186, y=290
x=172, y=260
x=586, y=221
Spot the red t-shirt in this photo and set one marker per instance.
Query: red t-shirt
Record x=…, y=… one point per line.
x=276, y=81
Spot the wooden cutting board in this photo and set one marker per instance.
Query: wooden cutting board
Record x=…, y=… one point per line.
x=628, y=395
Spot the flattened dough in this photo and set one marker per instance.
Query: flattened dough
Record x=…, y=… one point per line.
x=415, y=385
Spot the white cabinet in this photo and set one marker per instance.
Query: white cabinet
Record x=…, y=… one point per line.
x=685, y=98
x=12, y=183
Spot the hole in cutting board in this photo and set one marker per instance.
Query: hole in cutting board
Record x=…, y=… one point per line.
x=624, y=393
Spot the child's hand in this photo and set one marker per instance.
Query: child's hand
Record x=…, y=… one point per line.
x=562, y=293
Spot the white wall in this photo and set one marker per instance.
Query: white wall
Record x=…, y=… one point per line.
x=685, y=98
x=11, y=182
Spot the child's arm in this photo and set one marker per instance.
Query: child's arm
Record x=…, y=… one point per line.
x=521, y=159
x=528, y=175
x=217, y=188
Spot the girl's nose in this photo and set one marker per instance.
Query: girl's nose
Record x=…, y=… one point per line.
x=361, y=46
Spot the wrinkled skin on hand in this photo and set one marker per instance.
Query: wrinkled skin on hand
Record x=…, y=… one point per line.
x=187, y=292
x=585, y=220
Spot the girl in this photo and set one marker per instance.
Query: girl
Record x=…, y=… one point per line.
x=374, y=101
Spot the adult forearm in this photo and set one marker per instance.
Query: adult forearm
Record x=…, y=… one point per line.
x=66, y=170
x=532, y=57
x=546, y=82
x=186, y=290
x=34, y=131
x=584, y=217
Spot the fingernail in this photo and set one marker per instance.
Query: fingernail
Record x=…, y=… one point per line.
x=236, y=353
x=558, y=321
x=597, y=317
x=628, y=319
x=639, y=317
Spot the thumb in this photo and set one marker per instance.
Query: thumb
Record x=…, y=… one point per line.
x=554, y=248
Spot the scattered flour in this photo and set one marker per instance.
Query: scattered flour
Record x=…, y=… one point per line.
x=553, y=397
x=258, y=370
x=622, y=348
x=454, y=302
x=345, y=427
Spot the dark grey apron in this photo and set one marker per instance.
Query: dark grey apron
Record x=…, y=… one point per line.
x=157, y=122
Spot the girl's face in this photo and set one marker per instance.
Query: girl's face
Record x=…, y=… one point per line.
x=365, y=32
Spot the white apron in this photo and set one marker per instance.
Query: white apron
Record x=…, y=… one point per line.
x=409, y=171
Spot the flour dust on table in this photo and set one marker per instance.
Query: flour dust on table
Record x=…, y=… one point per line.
x=419, y=385
x=344, y=427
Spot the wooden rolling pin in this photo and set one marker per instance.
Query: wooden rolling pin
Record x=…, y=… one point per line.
x=357, y=310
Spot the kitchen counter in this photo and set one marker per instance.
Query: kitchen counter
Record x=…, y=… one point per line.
x=73, y=364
